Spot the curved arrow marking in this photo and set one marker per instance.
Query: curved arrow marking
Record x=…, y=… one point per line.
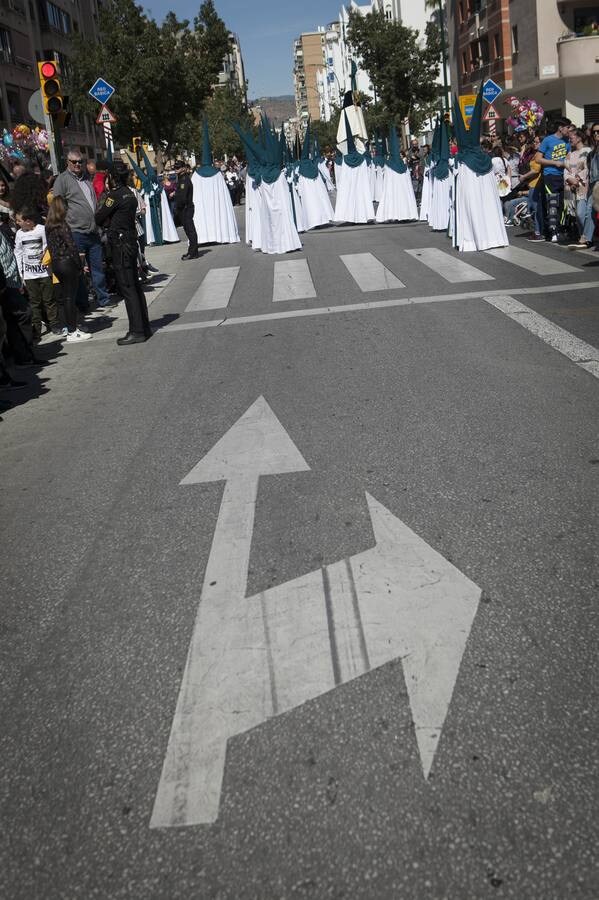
x=253, y=658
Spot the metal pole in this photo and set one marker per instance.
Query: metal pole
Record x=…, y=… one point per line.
x=444, y=55
x=51, y=144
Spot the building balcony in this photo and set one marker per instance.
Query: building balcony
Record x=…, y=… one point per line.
x=578, y=55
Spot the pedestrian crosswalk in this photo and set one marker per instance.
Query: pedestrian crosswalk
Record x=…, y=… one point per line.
x=293, y=279
x=369, y=273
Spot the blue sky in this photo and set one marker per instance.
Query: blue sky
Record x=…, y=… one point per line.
x=266, y=29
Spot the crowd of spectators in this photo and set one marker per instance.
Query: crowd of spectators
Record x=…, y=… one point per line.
x=549, y=182
x=55, y=267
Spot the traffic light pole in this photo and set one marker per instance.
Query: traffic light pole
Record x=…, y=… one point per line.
x=52, y=144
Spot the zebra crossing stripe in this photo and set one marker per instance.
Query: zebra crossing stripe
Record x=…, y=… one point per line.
x=292, y=281
x=369, y=273
x=532, y=262
x=215, y=290
x=447, y=266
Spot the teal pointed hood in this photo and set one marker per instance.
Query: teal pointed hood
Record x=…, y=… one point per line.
x=352, y=158
x=206, y=170
x=307, y=167
x=436, y=142
x=441, y=169
x=395, y=161
x=470, y=152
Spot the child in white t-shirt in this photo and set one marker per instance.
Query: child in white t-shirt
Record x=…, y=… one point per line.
x=30, y=246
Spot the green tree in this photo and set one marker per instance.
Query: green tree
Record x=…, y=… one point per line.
x=163, y=75
x=403, y=73
x=224, y=107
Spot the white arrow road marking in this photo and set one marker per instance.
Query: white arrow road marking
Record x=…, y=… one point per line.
x=258, y=657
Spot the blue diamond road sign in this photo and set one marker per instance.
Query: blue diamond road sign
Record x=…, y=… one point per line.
x=101, y=91
x=491, y=90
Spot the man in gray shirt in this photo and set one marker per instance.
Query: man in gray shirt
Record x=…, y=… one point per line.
x=78, y=193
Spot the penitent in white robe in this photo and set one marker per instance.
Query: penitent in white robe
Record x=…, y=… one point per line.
x=479, y=221
x=316, y=206
x=398, y=203
x=326, y=176
x=169, y=232
x=440, y=206
x=213, y=216
x=253, y=206
x=278, y=231
x=354, y=195
x=425, y=200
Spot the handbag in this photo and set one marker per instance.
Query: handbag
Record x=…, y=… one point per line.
x=47, y=262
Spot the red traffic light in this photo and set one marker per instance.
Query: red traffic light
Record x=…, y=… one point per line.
x=48, y=70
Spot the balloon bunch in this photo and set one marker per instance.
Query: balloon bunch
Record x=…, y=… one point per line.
x=23, y=143
x=525, y=114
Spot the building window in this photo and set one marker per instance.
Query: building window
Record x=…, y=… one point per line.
x=496, y=46
x=514, y=38
x=58, y=19
x=464, y=64
x=586, y=20
x=13, y=101
x=6, y=51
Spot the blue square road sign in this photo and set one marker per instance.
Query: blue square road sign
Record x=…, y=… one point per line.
x=101, y=91
x=491, y=90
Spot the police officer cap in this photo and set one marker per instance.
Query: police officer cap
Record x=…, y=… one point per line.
x=179, y=164
x=118, y=170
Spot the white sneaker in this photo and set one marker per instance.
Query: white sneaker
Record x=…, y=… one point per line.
x=75, y=336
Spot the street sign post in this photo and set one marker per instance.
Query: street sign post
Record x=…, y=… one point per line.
x=491, y=90
x=106, y=117
x=101, y=91
x=491, y=116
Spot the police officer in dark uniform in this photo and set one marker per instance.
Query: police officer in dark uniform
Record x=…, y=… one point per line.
x=117, y=214
x=185, y=208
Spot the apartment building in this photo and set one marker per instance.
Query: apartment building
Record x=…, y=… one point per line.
x=330, y=77
x=232, y=73
x=32, y=30
x=547, y=50
x=308, y=60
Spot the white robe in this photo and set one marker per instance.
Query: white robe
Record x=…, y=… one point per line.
x=297, y=206
x=338, y=174
x=278, y=231
x=253, y=206
x=326, y=176
x=398, y=203
x=427, y=188
x=169, y=232
x=379, y=186
x=479, y=221
x=354, y=195
x=438, y=217
x=316, y=206
x=213, y=217
x=150, y=236
x=372, y=179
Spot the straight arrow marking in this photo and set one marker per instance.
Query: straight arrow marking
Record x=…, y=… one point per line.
x=253, y=658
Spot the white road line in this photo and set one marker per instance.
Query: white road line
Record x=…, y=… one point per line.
x=369, y=273
x=532, y=262
x=447, y=266
x=581, y=353
x=292, y=281
x=371, y=305
x=215, y=290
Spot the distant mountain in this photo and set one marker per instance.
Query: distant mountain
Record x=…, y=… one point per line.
x=278, y=109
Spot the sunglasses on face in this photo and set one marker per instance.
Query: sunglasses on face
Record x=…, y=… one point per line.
x=76, y=162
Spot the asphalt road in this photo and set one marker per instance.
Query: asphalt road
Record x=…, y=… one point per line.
x=470, y=428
